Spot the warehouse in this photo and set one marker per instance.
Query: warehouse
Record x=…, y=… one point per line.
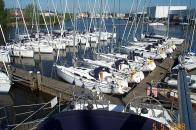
x=159, y=12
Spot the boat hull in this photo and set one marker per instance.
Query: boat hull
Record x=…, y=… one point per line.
x=5, y=83
x=90, y=84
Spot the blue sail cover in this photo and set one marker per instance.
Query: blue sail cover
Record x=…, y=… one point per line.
x=99, y=120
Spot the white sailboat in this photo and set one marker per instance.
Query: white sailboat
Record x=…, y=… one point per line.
x=156, y=24
x=157, y=54
x=133, y=60
x=4, y=52
x=4, y=55
x=99, y=79
x=39, y=46
x=5, y=83
x=120, y=67
x=188, y=61
x=154, y=111
x=20, y=51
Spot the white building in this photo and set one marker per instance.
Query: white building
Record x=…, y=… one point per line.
x=162, y=11
x=47, y=13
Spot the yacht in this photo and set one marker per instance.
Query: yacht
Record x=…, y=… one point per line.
x=4, y=55
x=99, y=79
x=120, y=67
x=5, y=83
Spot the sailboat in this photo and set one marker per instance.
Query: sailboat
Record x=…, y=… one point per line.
x=156, y=24
x=154, y=54
x=16, y=48
x=4, y=55
x=151, y=108
x=120, y=67
x=5, y=83
x=99, y=79
x=188, y=60
x=4, y=52
x=20, y=51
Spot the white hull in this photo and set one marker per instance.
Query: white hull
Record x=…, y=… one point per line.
x=156, y=24
x=176, y=41
x=147, y=67
x=109, y=107
x=67, y=74
x=5, y=83
x=4, y=56
x=23, y=53
x=153, y=55
x=191, y=81
x=154, y=114
x=139, y=62
x=43, y=49
x=137, y=76
x=188, y=62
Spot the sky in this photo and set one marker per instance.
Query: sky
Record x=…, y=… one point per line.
x=85, y=5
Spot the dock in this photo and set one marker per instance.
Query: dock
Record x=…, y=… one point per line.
x=37, y=82
x=157, y=75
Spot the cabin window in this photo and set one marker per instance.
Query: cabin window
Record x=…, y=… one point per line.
x=93, y=80
x=76, y=74
x=84, y=77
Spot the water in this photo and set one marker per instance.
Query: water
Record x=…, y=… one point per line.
x=45, y=63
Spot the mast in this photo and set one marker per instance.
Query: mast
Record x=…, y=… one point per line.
x=142, y=30
x=23, y=19
x=100, y=25
x=193, y=33
x=43, y=17
x=56, y=13
x=3, y=36
x=113, y=26
x=35, y=13
x=168, y=19
x=74, y=34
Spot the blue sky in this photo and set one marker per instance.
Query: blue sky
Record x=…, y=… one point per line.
x=86, y=4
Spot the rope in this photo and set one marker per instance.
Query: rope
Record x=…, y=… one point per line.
x=29, y=105
x=30, y=116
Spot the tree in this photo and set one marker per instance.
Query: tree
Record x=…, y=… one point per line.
x=28, y=12
x=3, y=20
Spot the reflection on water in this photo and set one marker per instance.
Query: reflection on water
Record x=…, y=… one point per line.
x=20, y=95
x=6, y=100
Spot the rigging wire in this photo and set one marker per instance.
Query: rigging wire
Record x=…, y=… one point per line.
x=134, y=19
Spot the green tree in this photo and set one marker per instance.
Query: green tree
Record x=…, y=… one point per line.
x=28, y=12
x=3, y=20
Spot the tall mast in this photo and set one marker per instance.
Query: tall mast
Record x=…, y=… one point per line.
x=74, y=34
x=113, y=27
x=43, y=17
x=3, y=36
x=168, y=19
x=193, y=34
x=23, y=19
x=35, y=13
x=100, y=24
